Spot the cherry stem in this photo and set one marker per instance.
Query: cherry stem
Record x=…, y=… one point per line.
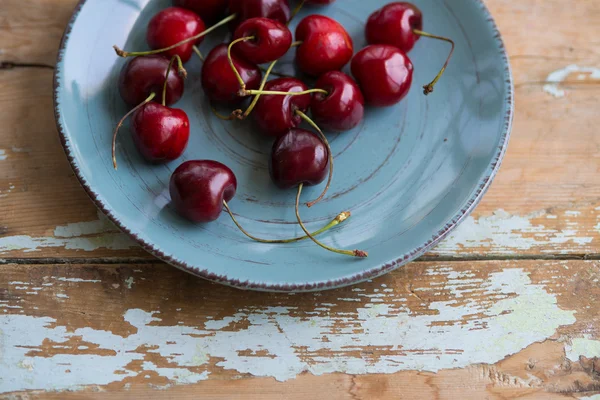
x=296, y=11
x=198, y=53
x=296, y=43
x=429, y=87
x=244, y=92
x=262, y=86
x=353, y=253
x=123, y=53
x=235, y=71
x=235, y=114
x=341, y=217
x=180, y=69
x=114, y=140
x=312, y=123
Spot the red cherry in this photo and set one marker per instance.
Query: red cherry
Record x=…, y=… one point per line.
x=208, y=10
x=160, y=133
x=342, y=108
x=298, y=157
x=279, y=10
x=218, y=79
x=199, y=187
x=144, y=75
x=394, y=24
x=326, y=46
x=274, y=114
x=384, y=74
x=171, y=26
x=272, y=40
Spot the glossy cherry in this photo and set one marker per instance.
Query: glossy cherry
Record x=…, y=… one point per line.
x=142, y=76
x=275, y=115
x=199, y=187
x=394, y=24
x=298, y=157
x=208, y=10
x=270, y=40
x=384, y=74
x=171, y=26
x=326, y=46
x=219, y=81
x=342, y=108
x=278, y=10
x=160, y=133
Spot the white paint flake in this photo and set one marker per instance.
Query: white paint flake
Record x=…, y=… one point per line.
x=273, y=342
x=582, y=347
x=129, y=282
x=79, y=280
x=2, y=155
x=504, y=233
x=560, y=75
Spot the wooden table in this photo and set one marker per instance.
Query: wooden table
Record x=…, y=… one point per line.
x=507, y=307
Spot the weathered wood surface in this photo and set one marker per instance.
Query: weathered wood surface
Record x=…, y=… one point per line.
x=508, y=328
x=474, y=328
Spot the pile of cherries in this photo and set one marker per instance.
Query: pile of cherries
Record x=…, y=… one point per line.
x=151, y=81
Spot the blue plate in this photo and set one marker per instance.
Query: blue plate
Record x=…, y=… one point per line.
x=409, y=173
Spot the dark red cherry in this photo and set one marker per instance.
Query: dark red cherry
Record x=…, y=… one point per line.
x=326, y=46
x=275, y=115
x=141, y=76
x=298, y=157
x=199, y=187
x=279, y=10
x=160, y=133
x=394, y=24
x=208, y=10
x=384, y=74
x=171, y=26
x=342, y=108
x=219, y=81
x=272, y=40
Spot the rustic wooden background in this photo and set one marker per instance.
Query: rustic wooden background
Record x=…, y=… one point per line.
x=506, y=308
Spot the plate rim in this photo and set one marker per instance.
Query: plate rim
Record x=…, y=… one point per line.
x=371, y=273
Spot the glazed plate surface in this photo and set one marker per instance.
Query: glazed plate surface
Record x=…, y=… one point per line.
x=409, y=173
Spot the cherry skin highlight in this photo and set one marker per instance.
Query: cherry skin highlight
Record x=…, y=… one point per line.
x=275, y=115
x=142, y=76
x=199, y=187
x=171, y=26
x=394, y=24
x=219, y=81
x=271, y=41
x=160, y=133
x=298, y=157
x=342, y=108
x=326, y=46
x=209, y=10
x=384, y=74
x=278, y=10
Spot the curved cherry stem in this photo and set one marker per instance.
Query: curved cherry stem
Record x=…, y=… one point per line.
x=296, y=11
x=235, y=71
x=324, y=139
x=429, y=87
x=244, y=92
x=198, y=53
x=262, y=86
x=123, y=53
x=114, y=139
x=341, y=217
x=353, y=253
x=180, y=69
x=235, y=114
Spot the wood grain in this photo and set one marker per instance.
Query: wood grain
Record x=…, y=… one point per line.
x=75, y=308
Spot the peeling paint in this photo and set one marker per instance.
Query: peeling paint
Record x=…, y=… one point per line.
x=273, y=342
x=76, y=280
x=582, y=347
x=504, y=233
x=560, y=75
x=2, y=155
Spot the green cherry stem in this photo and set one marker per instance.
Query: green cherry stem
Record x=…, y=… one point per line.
x=429, y=87
x=182, y=72
x=123, y=53
x=333, y=223
x=296, y=10
x=322, y=135
x=244, y=92
x=114, y=139
x=262, y=86
x=235, y=71
x=198, y=53
x=352, y=253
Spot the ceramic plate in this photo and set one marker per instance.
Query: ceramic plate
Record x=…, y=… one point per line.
x=409, y=173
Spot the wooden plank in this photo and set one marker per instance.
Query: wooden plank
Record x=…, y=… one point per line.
x=487, y=329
